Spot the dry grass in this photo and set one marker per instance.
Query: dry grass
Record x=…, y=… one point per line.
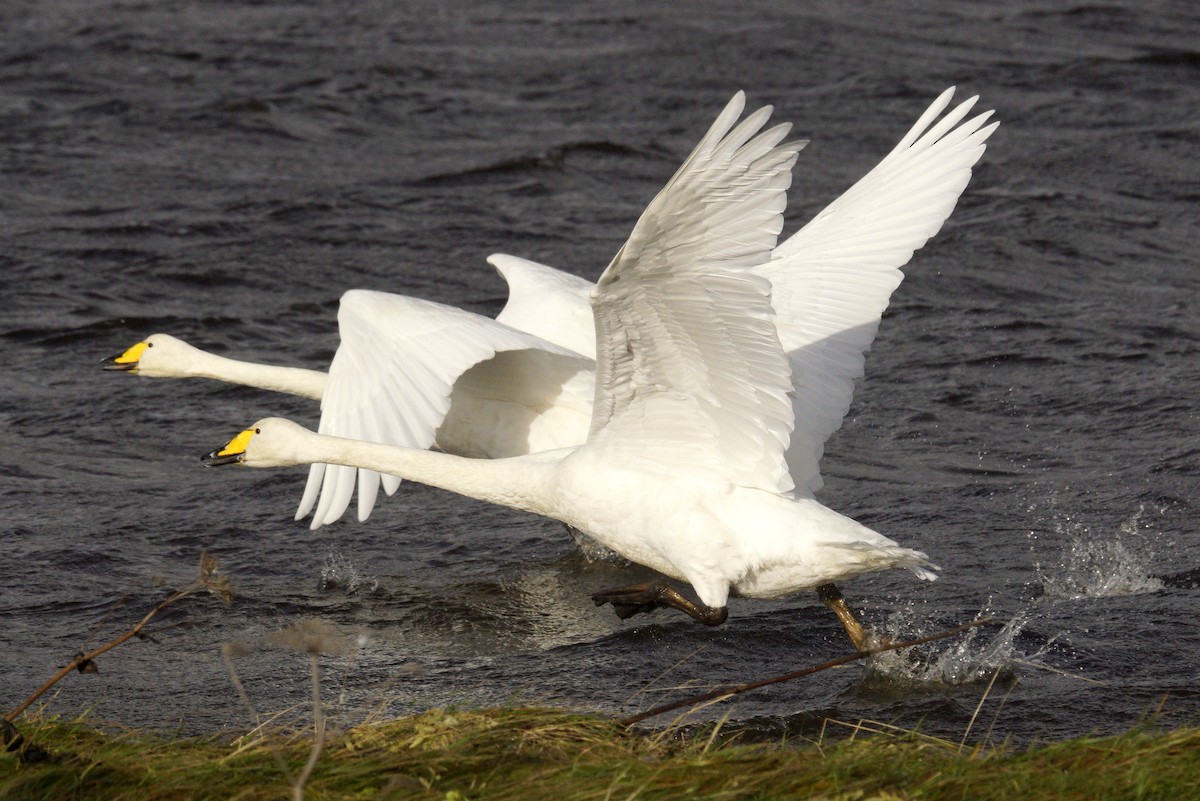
x=531, y=754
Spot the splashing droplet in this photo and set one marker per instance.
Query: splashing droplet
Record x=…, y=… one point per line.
x=1098, y=566
x=340, y=573
x=976, y=657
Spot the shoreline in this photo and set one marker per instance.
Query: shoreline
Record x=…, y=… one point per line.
x=533, y=753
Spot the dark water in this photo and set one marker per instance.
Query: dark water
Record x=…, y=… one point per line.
x=222, y=171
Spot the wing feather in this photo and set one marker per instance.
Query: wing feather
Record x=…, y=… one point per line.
x=391, y=381
x=832, y=280
x=834, y=277
x=547, y=302
x=688, y=360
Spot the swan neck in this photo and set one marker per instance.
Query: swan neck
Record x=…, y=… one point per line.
x=519, y=482
x=292, y=380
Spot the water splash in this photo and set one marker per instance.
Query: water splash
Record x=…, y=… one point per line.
x=340, y=573
x=1099, y=566
x=978, y=656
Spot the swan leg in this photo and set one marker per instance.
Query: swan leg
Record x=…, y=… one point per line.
x=831, y=596
x=651, y=595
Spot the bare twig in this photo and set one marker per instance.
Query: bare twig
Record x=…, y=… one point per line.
x=737, y=689
x=1060, y=672
x=208, y=579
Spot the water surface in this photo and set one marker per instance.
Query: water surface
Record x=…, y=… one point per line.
x=223, y=171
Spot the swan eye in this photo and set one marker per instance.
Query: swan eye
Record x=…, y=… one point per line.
x=149, y=344
x=258, y=431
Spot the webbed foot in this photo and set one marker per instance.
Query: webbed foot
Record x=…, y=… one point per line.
x=650, y=595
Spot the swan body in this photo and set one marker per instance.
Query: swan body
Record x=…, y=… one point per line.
x=721, y=538
x=683, y=469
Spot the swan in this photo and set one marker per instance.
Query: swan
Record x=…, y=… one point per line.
x=683, y=469
x=831, y=281
x=548, y=303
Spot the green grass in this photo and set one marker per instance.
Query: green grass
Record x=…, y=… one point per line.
x=530, y=754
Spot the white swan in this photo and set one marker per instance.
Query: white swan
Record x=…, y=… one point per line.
x=683, y=469
x=550, y=304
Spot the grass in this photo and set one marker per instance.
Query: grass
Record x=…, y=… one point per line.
x=529, y=754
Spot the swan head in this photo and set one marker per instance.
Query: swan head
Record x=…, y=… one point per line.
x=271, y=442
x=156, y=356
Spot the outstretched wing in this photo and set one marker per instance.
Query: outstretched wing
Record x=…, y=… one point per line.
x=833, y=278
x=547, y=302
x=391, y=381
x=689, y=368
